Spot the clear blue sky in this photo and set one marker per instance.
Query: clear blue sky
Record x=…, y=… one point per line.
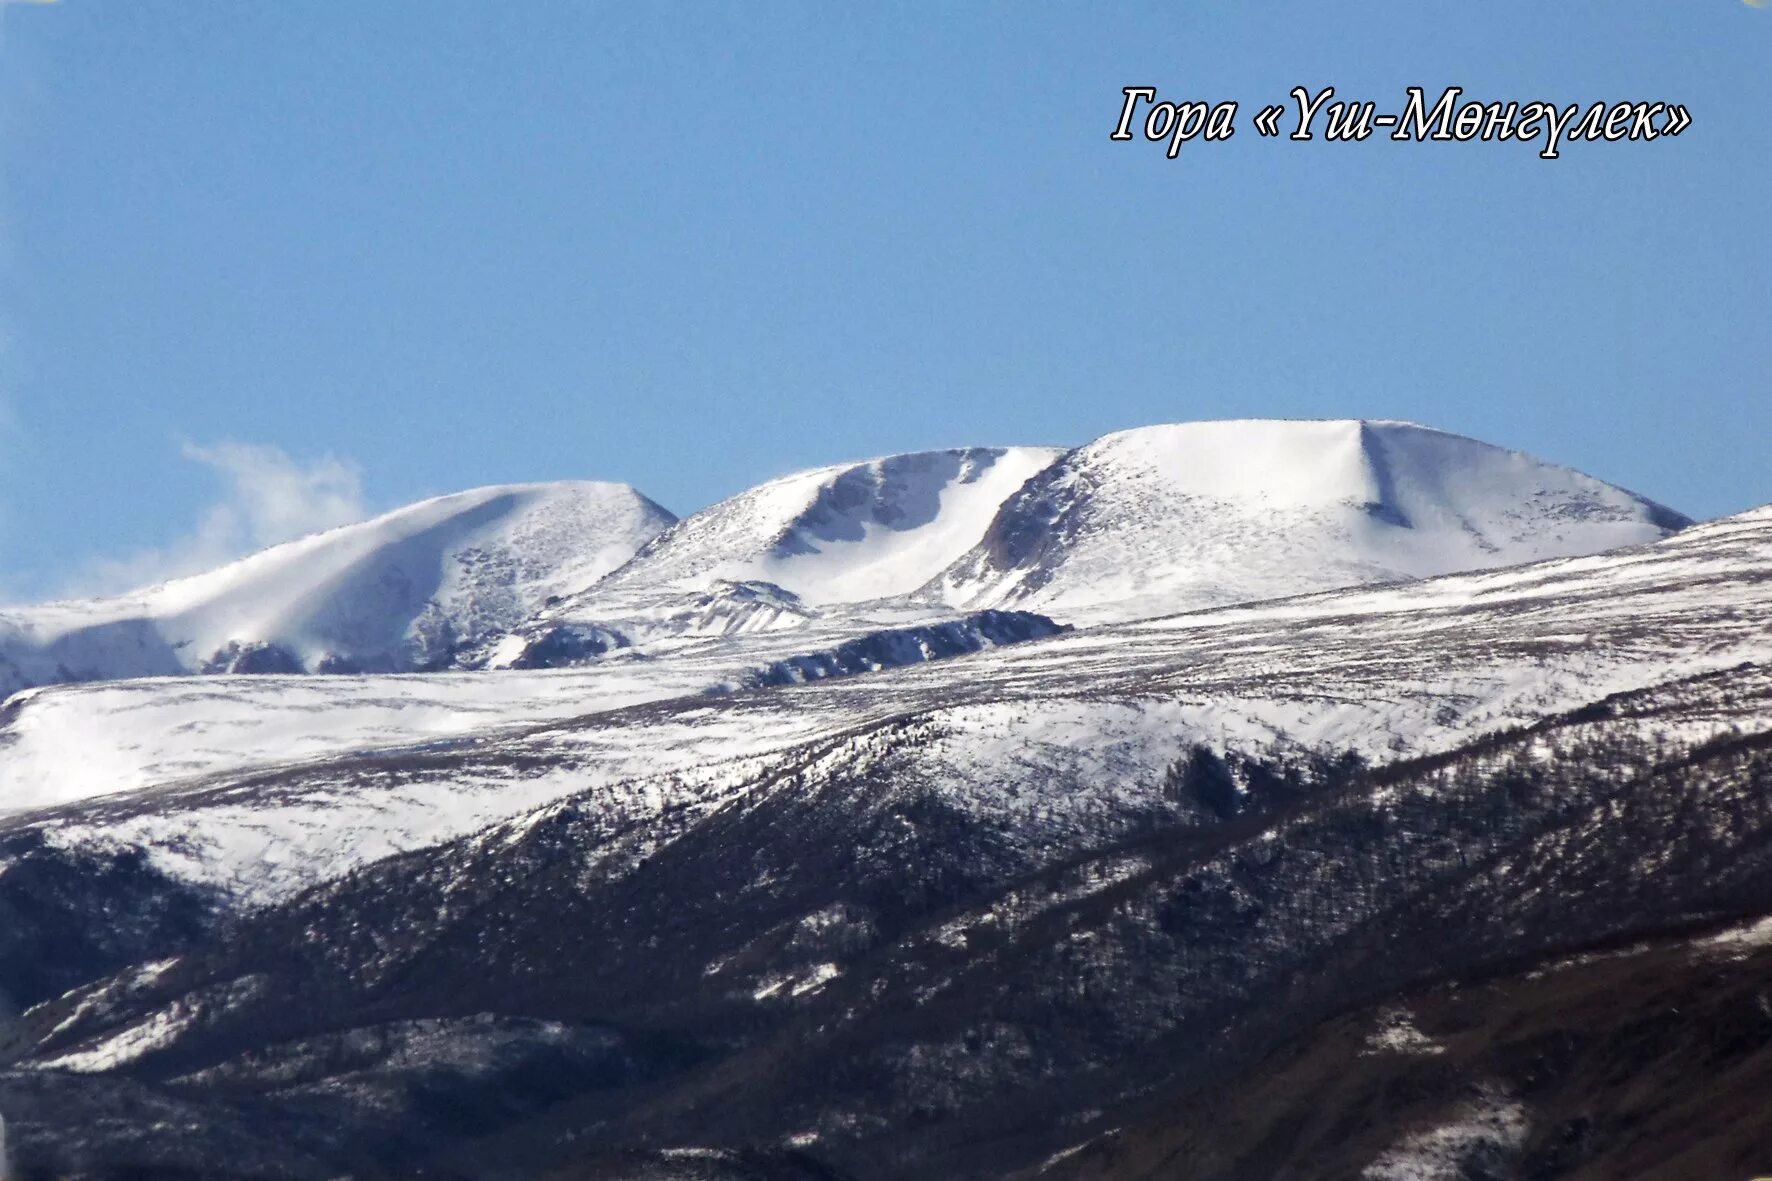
x=693, y=246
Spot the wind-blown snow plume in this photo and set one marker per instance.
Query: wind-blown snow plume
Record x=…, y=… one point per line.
x=269, y=498
x=273, y=498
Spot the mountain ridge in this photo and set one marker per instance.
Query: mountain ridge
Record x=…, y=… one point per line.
x=394, y=593
x=1140, y=522
x=853, y=891
x=1348, y=500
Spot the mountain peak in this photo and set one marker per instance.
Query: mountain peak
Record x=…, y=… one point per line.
x=844, y=533
x=396, y=592
x=1141, y=522
x=1193, y=514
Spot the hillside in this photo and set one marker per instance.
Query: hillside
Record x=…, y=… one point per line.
x=898, y=953
x=402, y=591
x=1168, y=518
x=889, y=888
x=1137, y=524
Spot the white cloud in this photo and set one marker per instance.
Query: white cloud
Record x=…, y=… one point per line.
x=268, y=498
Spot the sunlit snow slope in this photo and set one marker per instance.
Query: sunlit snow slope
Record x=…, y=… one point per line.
x=1068, y=731
x=1167, y=518
x=840, y=534
x=402, y=591
x=791, y=837
x=1137, y=524
x=1142, y=523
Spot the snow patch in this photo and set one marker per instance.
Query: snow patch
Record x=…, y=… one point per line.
x=797, y=983
x=1481, y=1136
x=1397, y=1034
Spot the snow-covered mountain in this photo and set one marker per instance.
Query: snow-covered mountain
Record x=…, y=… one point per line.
x=265, y=785
x=785, y=554
x=1137, y=524
x=1169, y=518
x=841, y=534
x=803, y=867
x=402, y=591
x=63, y=743
x=947, y=919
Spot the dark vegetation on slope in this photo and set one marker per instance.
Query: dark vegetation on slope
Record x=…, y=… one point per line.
x=897, y=647
x=68, y=916
x=990, y=1003
x=1651, y=1060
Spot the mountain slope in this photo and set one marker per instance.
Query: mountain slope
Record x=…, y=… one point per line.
x=1137, y=524
x=675, y=912
x=1647, y=1060
x=1087, y=721
x=840, y=545
x=906, y=981
x=402, y=591
x=1167, y=518
x=924, y=921
x=64, y=743
x=839, y=534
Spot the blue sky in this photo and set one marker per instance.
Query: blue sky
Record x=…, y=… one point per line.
x=363, y=253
